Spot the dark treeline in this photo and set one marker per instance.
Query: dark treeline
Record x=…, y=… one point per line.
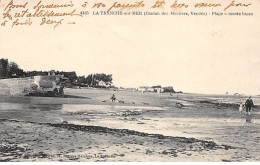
x=12, y=70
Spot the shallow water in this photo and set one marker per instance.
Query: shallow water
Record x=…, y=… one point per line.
x=223, y=126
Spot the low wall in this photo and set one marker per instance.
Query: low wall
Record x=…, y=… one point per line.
x=15, y=86
x=24, y=86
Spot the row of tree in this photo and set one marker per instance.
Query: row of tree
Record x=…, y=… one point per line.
x=12, y=70
x=95, y=79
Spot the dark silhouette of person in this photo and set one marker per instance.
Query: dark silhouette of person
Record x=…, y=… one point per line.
x=113, y=98
x=249, y=104
x=61, y=91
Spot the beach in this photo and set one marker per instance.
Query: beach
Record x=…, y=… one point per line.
x=87, y=126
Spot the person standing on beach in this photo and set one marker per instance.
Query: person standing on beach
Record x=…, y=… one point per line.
x=249, y=104
x=61, y=91
x=241, y=108
x=113, y=98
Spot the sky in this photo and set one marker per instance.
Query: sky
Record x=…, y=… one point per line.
x=192, y=54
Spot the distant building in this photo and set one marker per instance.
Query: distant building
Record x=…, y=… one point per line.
x=160, y=90
x=157, y=89
x=103, y=84
x=143, y=89
x=51, y=73
x=131, y=89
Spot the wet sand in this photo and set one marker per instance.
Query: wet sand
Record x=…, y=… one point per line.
x=146, y=127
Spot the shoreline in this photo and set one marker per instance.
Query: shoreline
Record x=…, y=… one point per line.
x=145, y=127
x=30, y=153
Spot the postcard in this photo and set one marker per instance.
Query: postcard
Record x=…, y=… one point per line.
x=129, y=80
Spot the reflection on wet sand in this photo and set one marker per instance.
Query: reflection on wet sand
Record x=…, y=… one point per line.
x=44, y=107
x=249, y=118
